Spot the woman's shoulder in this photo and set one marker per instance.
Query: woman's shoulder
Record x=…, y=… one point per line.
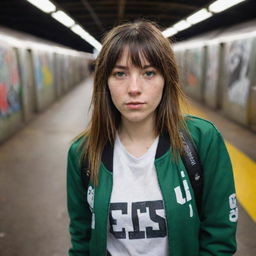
x=77, y=145
x=202, y=130
x=199, y=124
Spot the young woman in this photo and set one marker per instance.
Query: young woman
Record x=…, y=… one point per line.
x=138, y=199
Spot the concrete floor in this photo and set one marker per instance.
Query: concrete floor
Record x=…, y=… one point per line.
x=33, y=216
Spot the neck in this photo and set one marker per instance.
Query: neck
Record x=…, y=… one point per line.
x=137, y=131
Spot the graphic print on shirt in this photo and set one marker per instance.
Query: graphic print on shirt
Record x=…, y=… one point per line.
x=90, y=200
x=90, y=197
x=179, y=197
x=149, y=212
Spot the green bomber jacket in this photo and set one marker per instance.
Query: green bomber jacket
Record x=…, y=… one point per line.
x=214, y=233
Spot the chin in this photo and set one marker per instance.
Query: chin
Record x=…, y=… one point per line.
x=135, y=118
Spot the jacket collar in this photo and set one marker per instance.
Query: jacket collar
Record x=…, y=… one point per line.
x=108, y=152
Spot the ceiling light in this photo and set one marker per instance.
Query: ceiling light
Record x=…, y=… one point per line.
x=86, y=36
x=181, y=25
x=79, y=30
x=221, y=5
x=63, y=18
x=169, y=32
x=44, y=5
x=199, y=16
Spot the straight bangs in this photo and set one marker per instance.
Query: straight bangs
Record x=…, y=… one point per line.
x=139, y=50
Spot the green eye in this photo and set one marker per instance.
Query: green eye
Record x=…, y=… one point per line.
x=150, y=73
x=119, y=74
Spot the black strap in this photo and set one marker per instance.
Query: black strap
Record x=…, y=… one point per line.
x=85, y=173
x=190, y=159
x=193, y=166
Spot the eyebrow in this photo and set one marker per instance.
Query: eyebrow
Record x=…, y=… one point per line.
x=126, y=67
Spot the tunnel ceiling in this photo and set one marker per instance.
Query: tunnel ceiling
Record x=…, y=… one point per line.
x=98, y=16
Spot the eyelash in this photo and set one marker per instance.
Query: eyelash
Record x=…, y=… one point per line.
x=117, y=74
x=152, y=73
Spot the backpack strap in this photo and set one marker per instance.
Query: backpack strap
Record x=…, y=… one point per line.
x=193, y=166
x=85, y=173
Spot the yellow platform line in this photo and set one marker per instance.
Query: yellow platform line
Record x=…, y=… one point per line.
x=244, y=170
x=245, y=179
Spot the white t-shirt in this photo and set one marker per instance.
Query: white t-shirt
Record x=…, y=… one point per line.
x=137, y=223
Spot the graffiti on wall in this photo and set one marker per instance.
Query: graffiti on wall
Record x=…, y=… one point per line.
x=238, y=59
x=194, y=64
x=24, y=75
x=65, y=67
x=179, y=60
x=43, y=71
x=212, y=70
x=10, y=89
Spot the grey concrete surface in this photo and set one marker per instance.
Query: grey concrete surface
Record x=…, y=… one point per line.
x=246, y=235
x=33, y=216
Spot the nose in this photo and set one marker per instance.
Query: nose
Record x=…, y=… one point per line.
x=134, y=87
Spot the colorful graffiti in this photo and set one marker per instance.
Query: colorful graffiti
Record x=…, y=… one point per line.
x=24, y=75
x=194, y=64
x=179, y=56
x=43, y=71
x=212, y=70
x=238, y=61
x=3, y=98
x=10, y=89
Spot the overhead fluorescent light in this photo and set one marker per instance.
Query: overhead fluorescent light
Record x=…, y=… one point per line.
x=86, y=36
x=44, y=5
x=221, y=5
x=181, y=25
x=63, y=18
x=79, y=31
x=169, y=32
x=199, y=16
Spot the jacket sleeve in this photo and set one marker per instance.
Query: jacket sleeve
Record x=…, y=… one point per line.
x=219, y=209
x=78, y=209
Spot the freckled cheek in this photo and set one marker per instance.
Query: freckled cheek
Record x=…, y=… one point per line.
x=159, y=94
x=112, y=88
x=116, y=96
x=158, y=98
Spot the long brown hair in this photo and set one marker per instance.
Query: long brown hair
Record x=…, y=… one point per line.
x=143, y=38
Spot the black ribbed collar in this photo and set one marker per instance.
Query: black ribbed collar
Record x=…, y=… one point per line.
x=108, y=152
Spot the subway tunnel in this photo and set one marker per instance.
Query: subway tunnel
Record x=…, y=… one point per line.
x=46, y=83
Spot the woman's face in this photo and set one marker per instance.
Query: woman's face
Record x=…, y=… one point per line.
x=135, y=92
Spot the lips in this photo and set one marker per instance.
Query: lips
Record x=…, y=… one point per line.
x=135, y=104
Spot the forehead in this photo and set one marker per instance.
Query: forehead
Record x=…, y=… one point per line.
x=129, y=57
